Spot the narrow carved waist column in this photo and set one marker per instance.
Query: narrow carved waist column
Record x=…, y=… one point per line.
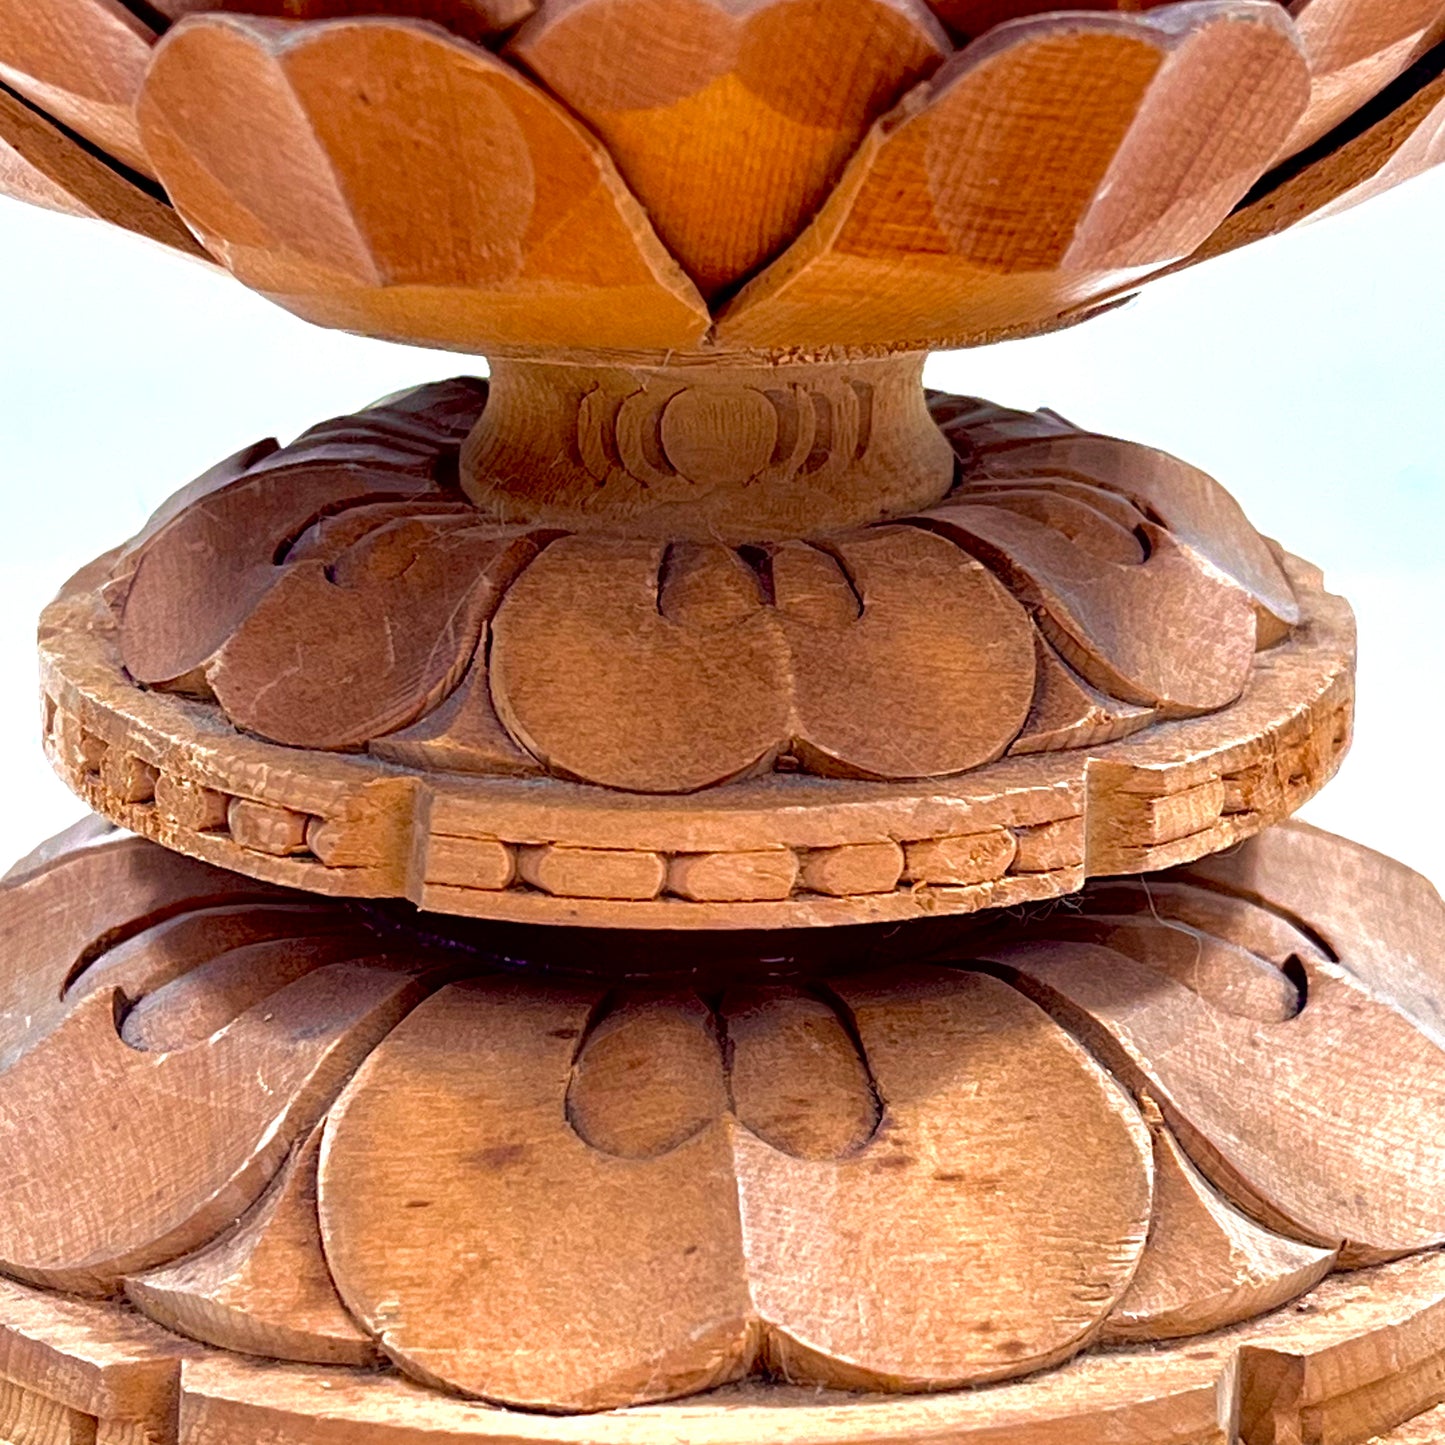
x=735, y=451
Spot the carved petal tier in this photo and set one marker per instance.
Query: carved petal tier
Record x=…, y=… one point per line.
x=512, y=176
x=321, y=1132
x=1062, y=655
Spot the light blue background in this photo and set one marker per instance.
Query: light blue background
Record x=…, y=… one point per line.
x=1307, y=373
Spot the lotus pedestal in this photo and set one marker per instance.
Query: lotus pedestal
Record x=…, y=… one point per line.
x=694, y=892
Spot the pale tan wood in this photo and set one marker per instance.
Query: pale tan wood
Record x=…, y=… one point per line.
x=1361, y=1359
x=855, y=869
x=263, y=1289
x=1355, y=50
x=1424, y=1429
x=1007, y=453
x=969, y=858
x=655, y=1168
x=338, y=652
x=1271, y=749
x=1206, y=1265
x=82, y=1221
x=81, y=61
x=707, y=451
x=1326, y=1176
x=41, y=164
x=730, y=122
x=1192, y=655
x=915, y=240
x=500, y=222
x=604, y=652
x=101, y=890
x=264, y=828
x=93, y=1357
x=1393, y=149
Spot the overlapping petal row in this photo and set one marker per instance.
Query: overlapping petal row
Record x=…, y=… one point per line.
x=342, y=593
x=298, y=1129
x=495, y=175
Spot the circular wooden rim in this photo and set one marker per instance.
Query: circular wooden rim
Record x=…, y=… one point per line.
x=1358, y=1356
x=791, y=851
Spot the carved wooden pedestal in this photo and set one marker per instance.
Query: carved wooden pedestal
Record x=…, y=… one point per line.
x=754, y=1197
x=698, y=626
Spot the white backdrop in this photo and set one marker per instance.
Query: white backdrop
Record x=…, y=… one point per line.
x=1307, y=373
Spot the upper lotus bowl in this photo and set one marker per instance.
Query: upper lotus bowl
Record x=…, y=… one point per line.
x=662, y=176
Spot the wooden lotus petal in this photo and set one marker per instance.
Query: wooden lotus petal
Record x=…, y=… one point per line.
x=386, y=178
x=1206, y=1265
x=730, y=121
x=1067, y=713
x=1189, y=502
x=472, y=19
x=1407, y=141
x=1364, y=1175
x=42, y=165
x=203, y=573
x=893, y=655
x=1171, y=632
x=1355, y=49
x=1385, y=922
x=909, y=659
x=591, y=675
x=264, y=1288
x=1149, y=128
x=217, y=560
x=630, y=1240
x=593, y=1280
x=187, y=1140
x=935, y=1274
x=336, y=654
x=73, y=916
x=81, y=61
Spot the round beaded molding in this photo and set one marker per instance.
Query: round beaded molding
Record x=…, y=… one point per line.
x=787, y=850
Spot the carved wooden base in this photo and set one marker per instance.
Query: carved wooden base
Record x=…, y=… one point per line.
x=330, y=1135
x=330, y=668
x=1361, y=1354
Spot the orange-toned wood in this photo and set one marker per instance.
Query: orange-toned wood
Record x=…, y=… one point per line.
x=1015, y=186
x=81, y=61
x=1355, y=49
x=500, y=222
x=730, y=122
x=706, y=451
x=264, y=1288
x=808, y=1243
x=41, y=164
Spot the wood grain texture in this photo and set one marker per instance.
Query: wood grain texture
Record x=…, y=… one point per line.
x=1319, y=1174
x=248, y=1091
x=867, y=1179
x=264, y=1288
x=44, y=166
x=701, y=1238
x=327, y=603
x=83, y=62
x=1355, y=50
x=730, y=122
x=1091, y=111
x=1206, y=1265
x=706, y=451
x=499, y=222
x=1358, y=1365
x=452, y=841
